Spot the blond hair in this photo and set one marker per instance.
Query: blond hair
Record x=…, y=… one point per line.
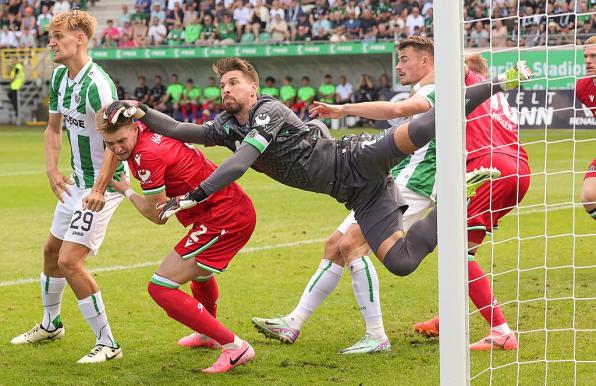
x=477, y=63
x=74, y=20
x=225, y=65
x=591, y=40
x=420, y=43
x=106, y=127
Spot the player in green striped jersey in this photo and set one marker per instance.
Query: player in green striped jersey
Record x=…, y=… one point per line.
x=78, y=89
x=415, y=178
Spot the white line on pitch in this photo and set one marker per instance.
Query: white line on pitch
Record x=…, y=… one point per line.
x=24, y=173
x=150, y=263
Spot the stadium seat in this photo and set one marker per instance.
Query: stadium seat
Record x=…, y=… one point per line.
x=264, y=37
x=247, y=38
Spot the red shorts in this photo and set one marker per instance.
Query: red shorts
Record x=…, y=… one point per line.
x=214, y=241
x=591, y=173
x=498, y=197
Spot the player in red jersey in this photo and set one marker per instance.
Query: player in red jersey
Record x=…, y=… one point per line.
x=220, y=227
x=492, y=140
x=589, y=190
x=585, y=88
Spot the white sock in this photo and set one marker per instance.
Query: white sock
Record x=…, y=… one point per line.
x=502, y=328
x=52, y=289
x=94, y=312
x=365, y=283
x=235, y=345
x=321, y=284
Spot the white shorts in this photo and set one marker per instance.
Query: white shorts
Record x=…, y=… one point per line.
x=72, y=223
x=418, y=206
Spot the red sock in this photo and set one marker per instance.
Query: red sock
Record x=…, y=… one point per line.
x=184, y=110
x=195, y=110
x=188, y=311
x=207, y=293
x=482, y=295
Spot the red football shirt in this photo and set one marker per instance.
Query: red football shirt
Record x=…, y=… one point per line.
x=492, y=127
x=162, y=163
x=585, y=91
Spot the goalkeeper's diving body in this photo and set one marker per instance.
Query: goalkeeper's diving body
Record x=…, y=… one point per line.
x=267, y=136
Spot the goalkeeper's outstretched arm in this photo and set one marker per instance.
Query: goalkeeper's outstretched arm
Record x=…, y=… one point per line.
x=160, y=123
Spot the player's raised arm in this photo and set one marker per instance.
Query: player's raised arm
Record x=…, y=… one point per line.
x=158, y=122
x=379, y=110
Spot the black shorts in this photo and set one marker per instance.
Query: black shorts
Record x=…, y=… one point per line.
x=363, y=183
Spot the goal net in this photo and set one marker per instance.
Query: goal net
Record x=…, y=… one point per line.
x=540, y=257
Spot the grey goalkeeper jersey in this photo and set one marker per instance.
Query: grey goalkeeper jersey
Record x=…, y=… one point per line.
x=285, y=143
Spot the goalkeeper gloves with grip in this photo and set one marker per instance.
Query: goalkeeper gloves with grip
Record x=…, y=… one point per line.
x=126, y=109
x=176, y=204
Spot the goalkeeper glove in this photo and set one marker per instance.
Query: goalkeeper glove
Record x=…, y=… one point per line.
x=176, y=204
x=126, y=109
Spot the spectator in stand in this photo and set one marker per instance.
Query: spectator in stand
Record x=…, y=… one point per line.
x=384, y=33
x=111, y=31
x=259, y=17
x=140, y=33
x=141, y=91
x=189, y=104
x=208, y=31
x=554, y=34
x=143, y=6
x=287, y=92
x=278, y=29
x=157, y=92
x=293, y=12
x=338, y=34
x=157, y=32
x=119, y=89
x=321, y=29
x=176, y=35
x=125, y=16
x=192, y=32
x=8, y=37
x=588, y=29
x=428, y=22
x=226, y=30
x=127, y=29
x=343, y=91
x=566, y=22
x=327, y=90
x=158, y=13
x=241, y=18
x=352, y=25
x=276, y=10
x=27, y=38
x=170, y=102
x=479, y=36
x=499, y=34
x=108, y=42
x=305, y=95
x=43, y=20
x=61, y=6
x=353, y=7
x=28, y=20
x=318, y=11
x=125, y=42
x=140, y=15
x=303, y=32
x=176, y=13
x=270, y=88
x=414, y=19
x=368, y=27
x=212, y=93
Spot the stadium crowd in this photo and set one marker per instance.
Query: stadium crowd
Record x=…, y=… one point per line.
x=223, y=22
x=190, y=102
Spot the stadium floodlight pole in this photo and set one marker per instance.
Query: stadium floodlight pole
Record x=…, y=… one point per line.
x=451, y=154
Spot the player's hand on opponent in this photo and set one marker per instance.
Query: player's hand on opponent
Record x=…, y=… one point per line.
x=120, y=186
x=59, y=184
x=176, y=204
x=95, y=201
x=325, y=110
x=124, y=109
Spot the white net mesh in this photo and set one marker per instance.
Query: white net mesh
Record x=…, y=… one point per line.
x=541, y=262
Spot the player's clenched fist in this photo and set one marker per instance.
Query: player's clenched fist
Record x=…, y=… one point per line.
x=124, y=108
x=59, y=183
x=95, y=201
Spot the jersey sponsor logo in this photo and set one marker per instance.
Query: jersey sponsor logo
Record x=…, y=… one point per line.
x=138, y=159
x=193, y=238
x=77, y=98
x=591, y=98
x=226, y=127
x=262, y=119
x=156, y=138
x=144, y=175
x=73, y=121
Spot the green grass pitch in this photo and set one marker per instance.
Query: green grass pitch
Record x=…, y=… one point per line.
x=268, y=278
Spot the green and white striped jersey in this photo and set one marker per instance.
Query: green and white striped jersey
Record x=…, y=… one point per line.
x=78, y=100
x=417, y=171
